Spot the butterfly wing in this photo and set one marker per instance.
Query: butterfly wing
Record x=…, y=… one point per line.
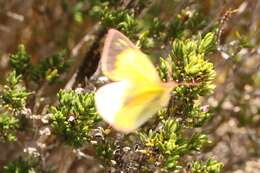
x=121, y=60
x=139, y=92
x=109, y=99
x=126, y=106
x=139, y=109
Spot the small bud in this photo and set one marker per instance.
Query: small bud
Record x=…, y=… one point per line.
x=205, y=108
x=71, y=118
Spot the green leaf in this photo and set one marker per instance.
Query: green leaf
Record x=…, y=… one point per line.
x=20, y=61
x=208, y=43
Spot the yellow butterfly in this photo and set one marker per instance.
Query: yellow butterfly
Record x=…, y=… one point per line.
x=137, y=92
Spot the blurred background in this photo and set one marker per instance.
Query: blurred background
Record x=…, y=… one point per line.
x=46, y=27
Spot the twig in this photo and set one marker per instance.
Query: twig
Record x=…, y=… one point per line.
x=89, y=38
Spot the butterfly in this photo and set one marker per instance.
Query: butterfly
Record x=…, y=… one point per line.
x=137, y=92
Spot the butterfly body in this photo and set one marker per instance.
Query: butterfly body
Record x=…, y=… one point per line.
x=137, y=92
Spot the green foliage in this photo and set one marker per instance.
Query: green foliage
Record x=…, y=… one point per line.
x=105, y=146
x=77, y=11
x=48, y=69
x=197, y=116
x=28, y=165
x=19, y=166
x=189, y=63
x=14, y=95
x=207, y=44
x=8, y=127
x=171, y=143
x=119, y=19
x=211, y=166
x=20, y=61
x=152, y=33
x=97, y=7
x=13, y=100
x=244, y=41
x=74, y=117
x=185, y=23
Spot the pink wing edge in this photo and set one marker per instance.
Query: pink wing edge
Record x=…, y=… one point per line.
x=111, y=33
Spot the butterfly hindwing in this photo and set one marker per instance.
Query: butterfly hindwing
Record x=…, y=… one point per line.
x=138, y=109
x=126, y=106
x=108, y=99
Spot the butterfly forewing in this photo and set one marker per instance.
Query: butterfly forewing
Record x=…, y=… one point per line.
x=121, y=60
x=115, y=43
